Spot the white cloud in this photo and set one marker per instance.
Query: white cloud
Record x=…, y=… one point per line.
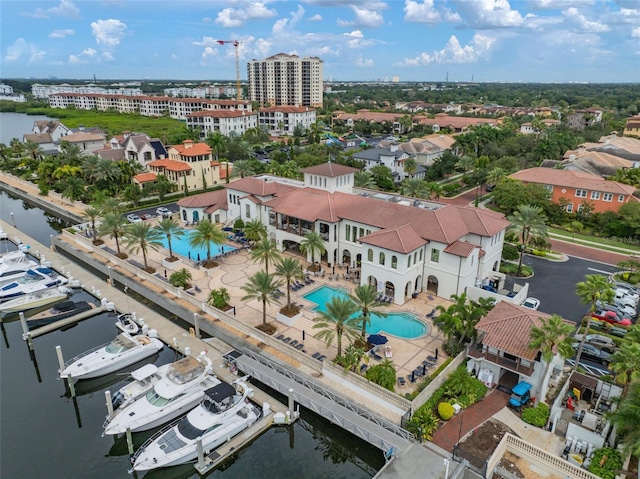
x=425, y=12
x=61, y=33
x=316, y=18
x=286, y=24
x=107, y=56
x=235, y=17
x=635, y=32
x=364, y=62
x=583, y=23
x=21, y=49
x=369, y=17
x=560, y=4
x=534, y=22
x=488, y=13
x=86, y=55
x=454, y=52
x=64, y=9
x=625, y=16
x=108, y=32
x=354, y=34
x=206, y=42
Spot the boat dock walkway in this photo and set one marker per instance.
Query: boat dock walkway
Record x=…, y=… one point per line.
x=34, y=333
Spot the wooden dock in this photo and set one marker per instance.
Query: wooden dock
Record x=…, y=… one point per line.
x=34, y=333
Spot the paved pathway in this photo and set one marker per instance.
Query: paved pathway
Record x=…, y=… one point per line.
x=448, y=435
x=587, y=252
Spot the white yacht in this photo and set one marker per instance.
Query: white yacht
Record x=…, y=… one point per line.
x=144, y=379
x=121, y=352
x=178, y=391
x=32, y=281
x=13, y=265
x=224, y=413
x=34, y=300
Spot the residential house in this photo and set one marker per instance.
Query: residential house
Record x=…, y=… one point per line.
x=223, y=121
x=572, y=188
x=141, y=149
x=392, y=157
x=632, y=126
x=190, y=165
x=580, y=119
x=594, y=162
x=87, y=142
x=456, y=124
x=283, y=120
x=428, y=148
x=528, y=128
x=53, y=128
x=503, y=356
x=43, y=140
x=399, y=247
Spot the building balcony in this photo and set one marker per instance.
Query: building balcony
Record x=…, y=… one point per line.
x=514, y=365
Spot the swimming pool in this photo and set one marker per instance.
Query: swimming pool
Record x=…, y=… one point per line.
x=402, y=325
x=181, y=246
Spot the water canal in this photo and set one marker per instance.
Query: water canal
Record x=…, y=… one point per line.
x=45, y=433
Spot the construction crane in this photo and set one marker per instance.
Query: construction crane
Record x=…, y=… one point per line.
x=236, y=44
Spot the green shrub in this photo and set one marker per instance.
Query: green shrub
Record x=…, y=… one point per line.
x=238, y=225
x=606, y=462
x=539, y=252
x=510, y=253
x=536, y=416
x=446, y=410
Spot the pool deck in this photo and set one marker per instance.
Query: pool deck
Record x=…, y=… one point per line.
x=235, y=269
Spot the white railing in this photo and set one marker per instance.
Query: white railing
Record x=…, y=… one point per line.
x=539, y=457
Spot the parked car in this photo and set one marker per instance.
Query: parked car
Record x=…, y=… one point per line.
x=134, y=218
x=593, y=353
x=164, y=212
x=626, y=286
x=611, y=317
x=531, y=303
x=146, y=216
x=489, y=188
x=622, y=309
x=604, y=343
x=626, y=299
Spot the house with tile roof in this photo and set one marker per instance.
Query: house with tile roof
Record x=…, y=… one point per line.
x=575, y=187
x=87, y=142
x=53, y=128
x=391, y=157
x=400, y=247
x=190, y=165
x=428, y=148
x=141, y=149
x=503, y=355
x=632, y=126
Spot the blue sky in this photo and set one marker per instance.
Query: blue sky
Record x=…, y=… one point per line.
x=415, y=40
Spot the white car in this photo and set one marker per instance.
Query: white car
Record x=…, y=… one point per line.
x=163, y=212
x=134, y=218
x=531, y=303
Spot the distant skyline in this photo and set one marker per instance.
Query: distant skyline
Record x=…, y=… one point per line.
x=594, y=41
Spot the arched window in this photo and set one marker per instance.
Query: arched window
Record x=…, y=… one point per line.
x=370, y=255
x=394, y=262
x=381, y=259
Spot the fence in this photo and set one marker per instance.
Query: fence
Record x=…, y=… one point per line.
x=428, y=391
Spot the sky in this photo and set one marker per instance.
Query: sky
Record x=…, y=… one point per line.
x=361, y=40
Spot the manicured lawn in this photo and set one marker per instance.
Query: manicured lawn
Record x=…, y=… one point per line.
x=607, y=243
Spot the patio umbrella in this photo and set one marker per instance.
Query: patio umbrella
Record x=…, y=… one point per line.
x=377, y=339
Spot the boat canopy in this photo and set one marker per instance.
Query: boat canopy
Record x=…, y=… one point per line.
x=185, y=370
x=215, y=397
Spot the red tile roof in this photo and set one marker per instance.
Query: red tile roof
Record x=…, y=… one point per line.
x=460, y=248
x=259, y=187
x=212, y=199
x=145, y=177
x=171, y=165
x=190, y=148
x=403, y=239
x=330, y=169
x=221, y=113
x=572, y=179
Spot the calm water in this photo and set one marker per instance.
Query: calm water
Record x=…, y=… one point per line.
x=44, y=433
x=402, y=325
x=14, y=125
x=181, y=247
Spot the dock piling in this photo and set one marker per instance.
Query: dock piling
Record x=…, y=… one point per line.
x=129, y=441
x=196, y=324
x=200, y=465
x=107, y=396
x=72, y=387
x=60, y=357
x=23, y=322
x=291, y=401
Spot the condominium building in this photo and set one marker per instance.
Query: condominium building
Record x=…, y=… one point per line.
x=286, y=80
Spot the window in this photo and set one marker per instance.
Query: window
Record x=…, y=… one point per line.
x=569, y=207
x=595, y=195
x=361, y=233
x=548, y=187
x=409, y=262
x=435, y=255
x=381, y=259
x=620, y=198
x=394, y=262
x=580, y=207
x=247, y=211
x=347, y=232
x=581, y=193
x=607, y=197
x=420, y=255
x=370, y=255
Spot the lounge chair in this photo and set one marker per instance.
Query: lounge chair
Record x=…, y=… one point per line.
x=286, y=340
x=411, y=378
x=377, y=357
x=315, y=355
x=300, y=346
x=363, y=368
x=280, y=336
x=322, y=358
x=401, y=381
x=294, y=342
x=432, y=359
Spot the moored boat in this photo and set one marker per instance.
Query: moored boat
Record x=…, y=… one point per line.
x=34, y=280
x=13, y=265
x=122, y=351
x=61, y=310
x=224, y=412
x=34, y=300
x=144, y=379
x=181, y=387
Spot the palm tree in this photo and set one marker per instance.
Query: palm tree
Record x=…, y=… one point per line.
x=266, y=251
x=527, y=222
x=457, y=321
x=495, y=175
x=364, y=179
x=242, y=168
x=111, y=205
x=206, y=233
x=170, y=228
x=140, y=237
x=625, y=362
x=132, y=193
x=113, y=224
x=626, y=419
x=313, y=244
x=365, y=298
x=410, y=166
x=217, y=142
x=337, y=321
x=289, y=269
x=595, y=288
x=33, y=149
x=259, y=287
x=92, y=213
x=553, y=336
x=73, y=189
x=465, y=164
x=434, y=190
x=415, y=187
x=254, y=230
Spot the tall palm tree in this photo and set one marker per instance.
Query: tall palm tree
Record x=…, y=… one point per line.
x=33, y=149
x=113, y=224
x=254, y=230
x=364, y=179
x=365, y=298
x=206, y=233
x=259, y=287
x=625, y=362
x=527, y=222
x=289, y=269
x=140, y=237
x=410, y=166
x=434, y=190
x=92, y=213
x=217, y=142
x=415, y=187
x=242, y=168
x=170, y=228
x=465, y=164
x=337, y=321
x=266, y=251
x=111, y=205
x=593, y=289
x=313, y=244
x=626, y=419
x=132, y=193
x=496, y=175
x=553, y=336
x=73, y=188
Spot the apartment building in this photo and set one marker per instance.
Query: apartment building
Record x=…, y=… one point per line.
x=285, y=119
x=286, y=80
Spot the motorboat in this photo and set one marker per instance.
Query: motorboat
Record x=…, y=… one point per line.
x=144, y=379
x=14, y=265
x=224, y=412
x=34, y=300
x=34, y=280
x=128, y=323
x=61, y=310
x=122, y=351
x=179, y=389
